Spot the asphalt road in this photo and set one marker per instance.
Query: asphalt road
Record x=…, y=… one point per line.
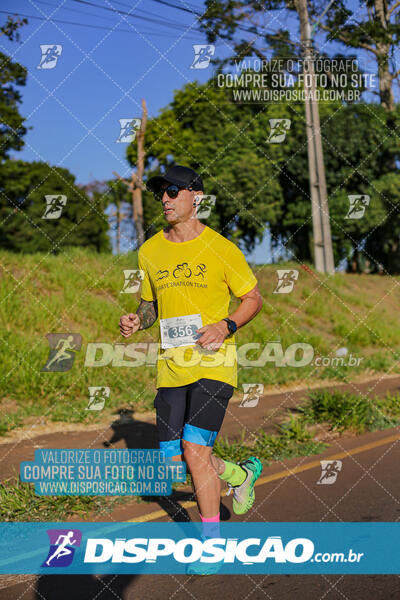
x=367, y=489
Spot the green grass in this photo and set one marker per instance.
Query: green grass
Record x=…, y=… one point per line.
x=10, y=422
x=295, y=437
x=292, y=439
x=339, y=411
x=18, y=502
x=352, y=412
x=81, y=294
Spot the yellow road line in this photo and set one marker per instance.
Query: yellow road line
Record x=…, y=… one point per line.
x=157, y=514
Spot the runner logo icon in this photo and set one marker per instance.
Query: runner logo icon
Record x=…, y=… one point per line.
x=330, y=471
x=62, y=349
x=62, y=547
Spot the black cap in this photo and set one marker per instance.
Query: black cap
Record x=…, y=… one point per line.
x=182, y=176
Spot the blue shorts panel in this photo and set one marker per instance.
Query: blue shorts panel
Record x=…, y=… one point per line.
x=195, y=408
x=171, y=448
x=197, y=435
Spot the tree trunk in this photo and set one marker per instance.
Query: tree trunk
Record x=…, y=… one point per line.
x=383, y=49
x=118, y=217
x=137, y=180
x=385, y=80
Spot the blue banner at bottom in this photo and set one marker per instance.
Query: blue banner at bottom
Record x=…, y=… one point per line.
x=176, y=548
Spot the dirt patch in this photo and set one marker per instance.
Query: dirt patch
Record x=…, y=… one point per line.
x=49, y=427
x=104, y=295
x=8, y=406
x=8, y=580
x=39, y=428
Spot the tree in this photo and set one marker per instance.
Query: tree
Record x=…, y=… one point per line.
x=226, y=144
x=356, y=153
x=12, y=74
x=376, y=30
x=23, y=190
x=383, y=246
x=11, y=27
x=260, y=185
x=373, y=27
x=135, y=184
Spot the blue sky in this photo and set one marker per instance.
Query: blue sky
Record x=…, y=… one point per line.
x=102, y=75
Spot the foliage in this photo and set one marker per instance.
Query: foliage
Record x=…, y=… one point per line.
x=292, y=439
x=226, y=143
x=18, y=502
x=23, y=187
x=259, y=185
x=12, y=128
x=344, y=411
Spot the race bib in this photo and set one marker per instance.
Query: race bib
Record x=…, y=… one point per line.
x=180, y=331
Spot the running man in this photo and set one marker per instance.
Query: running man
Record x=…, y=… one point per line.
x=190, y=270
x=64, y=346
x=62, y=550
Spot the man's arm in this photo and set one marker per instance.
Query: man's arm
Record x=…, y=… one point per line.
x=144, y=317
x=250, y=306
x=147, y=313
x=214, y=335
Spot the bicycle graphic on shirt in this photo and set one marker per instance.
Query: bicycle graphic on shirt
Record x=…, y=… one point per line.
x=182, y=270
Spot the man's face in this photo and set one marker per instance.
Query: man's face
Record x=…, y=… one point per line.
x=179, y=209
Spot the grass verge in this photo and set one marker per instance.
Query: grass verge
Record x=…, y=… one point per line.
x=335, y=411
x=352, y=412
x=18, y=502
x=292, y=439
x=82, y=294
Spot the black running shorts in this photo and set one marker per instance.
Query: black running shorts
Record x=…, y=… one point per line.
x=192, y=412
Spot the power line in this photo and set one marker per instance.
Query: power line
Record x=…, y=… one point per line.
x=131, y=15
x=200, y=14
x=51, y=20
x=187, y=4
x=163, y=22
x=167, y=22
x=146, y=12
x=82, y=12
x=182, y=8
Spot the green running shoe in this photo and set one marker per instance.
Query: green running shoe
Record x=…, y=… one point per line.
x=199, y=568
x=243, y=495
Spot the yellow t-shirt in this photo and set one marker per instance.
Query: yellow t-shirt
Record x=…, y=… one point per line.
x=194, y=277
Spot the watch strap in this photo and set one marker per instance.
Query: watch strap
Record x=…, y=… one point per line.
x=229, y=329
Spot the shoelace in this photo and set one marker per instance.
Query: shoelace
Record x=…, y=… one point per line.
x=232, y=487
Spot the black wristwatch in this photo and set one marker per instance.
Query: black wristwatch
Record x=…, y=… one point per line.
x=231, y=326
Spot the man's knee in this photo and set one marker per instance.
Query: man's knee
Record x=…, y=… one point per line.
x=196, y=456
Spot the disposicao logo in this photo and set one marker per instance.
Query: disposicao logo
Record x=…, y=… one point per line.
x=62, y=547
x=137, y=550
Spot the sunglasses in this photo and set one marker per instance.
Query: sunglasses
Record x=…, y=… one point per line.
x=172, y=191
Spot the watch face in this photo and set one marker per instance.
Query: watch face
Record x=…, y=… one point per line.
x=232, y=326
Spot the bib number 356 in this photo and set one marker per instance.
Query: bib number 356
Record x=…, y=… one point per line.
x=181, y=331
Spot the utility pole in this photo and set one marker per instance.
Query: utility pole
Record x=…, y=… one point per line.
x=135, y=185
x=119, y=216
x=323, y=254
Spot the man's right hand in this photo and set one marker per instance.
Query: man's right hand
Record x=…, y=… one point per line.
x=129, y=324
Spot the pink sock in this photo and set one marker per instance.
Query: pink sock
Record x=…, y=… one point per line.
x=210, y=526
x=210, y=519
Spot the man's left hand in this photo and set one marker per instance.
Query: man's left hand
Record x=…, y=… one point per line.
x=213, y=336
